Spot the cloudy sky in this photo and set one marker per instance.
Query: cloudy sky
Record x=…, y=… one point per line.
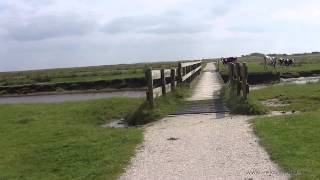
x=64, y=33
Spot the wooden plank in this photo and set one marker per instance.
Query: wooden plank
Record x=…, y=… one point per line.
x=167, y=72
x=190, y=63
x=149, y=93
x=163, y=82
x=191, y=73
x=179, y=73
x=156, y=74
x=168, y=88
x=245, y=87
x=173, y=79
x=157, y=92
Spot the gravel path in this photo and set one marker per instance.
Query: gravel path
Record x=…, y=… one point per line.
x=207, y=84
x=202, y=146
x=208, y=146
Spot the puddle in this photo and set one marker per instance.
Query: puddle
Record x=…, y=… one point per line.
x=283, y=81
x=172, y=139
x=274, y=103
x=279, y=113
x=300, y=80
x=116, y=123
x=57, y=98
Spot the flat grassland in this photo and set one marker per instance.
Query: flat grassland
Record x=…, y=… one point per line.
x=78, y=74
x=304, y=63
x=66, y=141
x=292, y=140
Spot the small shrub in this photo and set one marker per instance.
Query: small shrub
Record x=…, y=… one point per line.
x=162, y=106
x=24, y=120
x=3, y=92
x=239, y=105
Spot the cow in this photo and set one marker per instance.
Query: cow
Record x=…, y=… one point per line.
x=228, y=60
x=271, y=61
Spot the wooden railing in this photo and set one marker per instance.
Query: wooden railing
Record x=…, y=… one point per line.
x=160, y=82
x=238, y=79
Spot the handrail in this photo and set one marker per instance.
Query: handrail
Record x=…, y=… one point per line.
x=160, y=82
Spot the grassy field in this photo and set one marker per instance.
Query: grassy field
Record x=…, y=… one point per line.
x=304, y=63
x=80, y=74
x=96, y=78
x=299, y=97
x=65, y=141
x=292, y=140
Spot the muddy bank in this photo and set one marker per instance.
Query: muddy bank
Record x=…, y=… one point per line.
x=270, y=77
x=57, y=98
x=284, y=81
x=74, y=86
x=258, y=78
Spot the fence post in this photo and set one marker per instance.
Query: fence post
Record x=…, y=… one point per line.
x=163, y=82
x=148, y=76
x=173, y=79
x=179, y=72
x=238, y=75
x=232, y=79
x=245, y=88
x=218, y=65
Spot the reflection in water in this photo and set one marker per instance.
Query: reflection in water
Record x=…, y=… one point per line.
x=220, y=115
x=300, y=80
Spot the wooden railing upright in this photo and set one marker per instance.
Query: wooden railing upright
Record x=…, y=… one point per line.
x=238, y=79
x=161, y=82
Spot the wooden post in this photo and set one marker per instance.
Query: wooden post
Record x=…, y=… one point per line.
x=148, y=76
x=218, y=65
x=238, y=75
x=173, y=79
x=179, y=73
x=163, y=82
x=232, y=79
x=245, y=88
x=231, y=73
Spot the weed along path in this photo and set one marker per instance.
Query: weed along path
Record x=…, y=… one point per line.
x=203, y=145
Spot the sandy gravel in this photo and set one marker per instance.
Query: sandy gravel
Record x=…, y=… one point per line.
x=207, y=84
x=208, y=146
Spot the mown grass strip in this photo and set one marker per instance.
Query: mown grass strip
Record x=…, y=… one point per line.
x=65, y=141
x=293, y=142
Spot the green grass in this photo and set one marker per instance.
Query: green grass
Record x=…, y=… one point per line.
x=304, y=63
x=239, y=105
x=65, y=141
x=293, y=142
x=163, y=106
x=300, y=97
x=79, y=74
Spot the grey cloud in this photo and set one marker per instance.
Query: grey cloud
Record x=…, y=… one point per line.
x=166, y=24
x=47, y=27
x=248, y=29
